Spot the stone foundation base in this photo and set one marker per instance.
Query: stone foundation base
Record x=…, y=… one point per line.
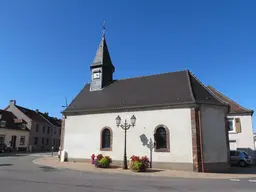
x=208, y=167
x=222, y=167
x=155, y=165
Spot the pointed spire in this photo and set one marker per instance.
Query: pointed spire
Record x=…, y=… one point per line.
x=102, y=57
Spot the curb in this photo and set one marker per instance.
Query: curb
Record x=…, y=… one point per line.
x=143, y=175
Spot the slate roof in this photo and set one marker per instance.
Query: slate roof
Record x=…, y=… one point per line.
x=39, y=117
x=55, y=121
x=31, y=114
x=9, y=117
x=168, y=89
x=234, y=107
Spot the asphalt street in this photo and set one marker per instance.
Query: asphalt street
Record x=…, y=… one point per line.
x=18, y=173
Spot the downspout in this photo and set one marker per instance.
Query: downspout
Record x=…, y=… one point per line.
x=200, y=139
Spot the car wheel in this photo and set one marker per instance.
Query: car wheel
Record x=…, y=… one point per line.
x=242, y=164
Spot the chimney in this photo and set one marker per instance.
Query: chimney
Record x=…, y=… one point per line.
x=12, y=102
x=46, y=113
x=37, y=111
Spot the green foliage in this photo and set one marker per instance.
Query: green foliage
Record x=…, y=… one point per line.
x=137, y=166
x=104, y=162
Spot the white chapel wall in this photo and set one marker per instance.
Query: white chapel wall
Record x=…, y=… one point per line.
x=82, y=135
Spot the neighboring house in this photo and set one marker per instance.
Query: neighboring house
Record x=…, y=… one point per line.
x=44, y=131
x=240, y=125
x=13, y=131
x=56, y=125
x=174, y=110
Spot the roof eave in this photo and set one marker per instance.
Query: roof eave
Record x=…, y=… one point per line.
x=241, y=112
x=119, y=109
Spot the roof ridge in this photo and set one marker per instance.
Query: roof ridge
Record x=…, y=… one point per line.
x=205, y=87
x=31, y=110
x=190, y=87
x=150, y=75
x=210, y=87
x=25, y=108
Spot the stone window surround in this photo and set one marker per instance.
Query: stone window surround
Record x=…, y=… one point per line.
x=111, y=139
x=167, y=139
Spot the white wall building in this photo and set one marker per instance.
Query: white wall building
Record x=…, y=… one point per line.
x=14, y=134
x=174, y=110
x=44, y=130
x=240, y=125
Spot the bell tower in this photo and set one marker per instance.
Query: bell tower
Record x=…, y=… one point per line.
x=102, y=68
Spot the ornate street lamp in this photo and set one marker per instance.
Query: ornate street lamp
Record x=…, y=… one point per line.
x=125, y=127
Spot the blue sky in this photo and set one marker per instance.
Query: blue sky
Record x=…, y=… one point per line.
x=46, y=47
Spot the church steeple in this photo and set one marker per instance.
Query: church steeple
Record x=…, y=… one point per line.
x=102, y=68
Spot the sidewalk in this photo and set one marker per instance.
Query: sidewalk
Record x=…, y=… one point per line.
x=87, y=167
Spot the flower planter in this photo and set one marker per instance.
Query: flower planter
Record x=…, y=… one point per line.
x=138, y=164
x=102, y=162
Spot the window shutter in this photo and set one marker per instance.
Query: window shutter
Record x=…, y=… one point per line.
x=238, y=125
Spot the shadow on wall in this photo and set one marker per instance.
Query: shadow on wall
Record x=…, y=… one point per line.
x=149, y=144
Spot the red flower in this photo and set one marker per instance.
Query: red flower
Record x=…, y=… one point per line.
x=135, y=158
x=99, y=157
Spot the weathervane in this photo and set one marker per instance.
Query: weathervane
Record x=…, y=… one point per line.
x=104, y=29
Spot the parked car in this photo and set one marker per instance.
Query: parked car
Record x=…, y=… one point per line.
x=240, y=158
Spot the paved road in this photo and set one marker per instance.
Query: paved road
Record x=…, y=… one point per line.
x=18, y=173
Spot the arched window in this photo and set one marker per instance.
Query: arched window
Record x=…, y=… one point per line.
x=162, y=139
x=106, y=139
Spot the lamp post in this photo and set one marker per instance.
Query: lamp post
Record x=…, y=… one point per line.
x=125, y=127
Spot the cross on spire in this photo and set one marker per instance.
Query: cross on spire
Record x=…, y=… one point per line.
x=104, y=29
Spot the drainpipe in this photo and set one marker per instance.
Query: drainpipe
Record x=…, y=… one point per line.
x=201, y=139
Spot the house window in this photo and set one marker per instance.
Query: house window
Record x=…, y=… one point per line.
x=2, y=138
x=47, y=141
x=43, y=129
x=161, y=137
x=106, y=139
x=42, y=141
x=37, y=128
x=54, y=130
x=2, y=123
x=231, y=125
x=35, y=140
x=48, y=130
x=22, y=140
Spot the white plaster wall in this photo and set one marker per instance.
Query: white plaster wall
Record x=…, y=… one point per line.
x=214, y=136
x=82, y=135
x=244, y=140
x=8, y=133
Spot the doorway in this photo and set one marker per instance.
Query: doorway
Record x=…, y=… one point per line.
x=13, y=142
